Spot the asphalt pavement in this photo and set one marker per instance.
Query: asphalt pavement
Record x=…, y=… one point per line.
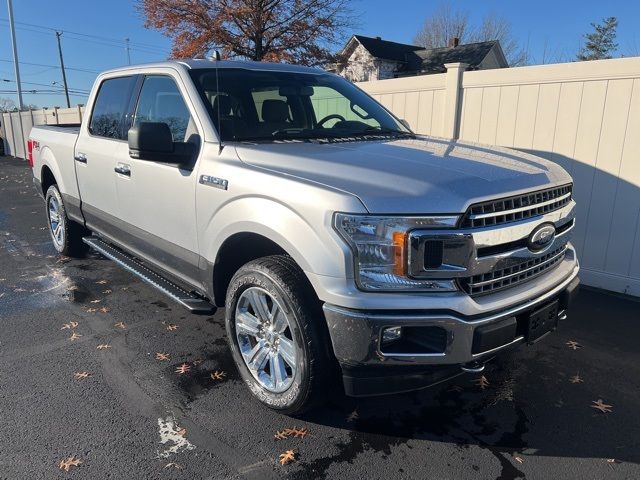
x=89, y=362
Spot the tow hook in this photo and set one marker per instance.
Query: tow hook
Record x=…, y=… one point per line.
x=472, y=367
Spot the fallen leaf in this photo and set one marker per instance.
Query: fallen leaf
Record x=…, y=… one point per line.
x=104, y=310
x=171, y=327
x=92, y=310
x=95, y=301
x=281, y=435
x=182, y=432
x=74, y=336
x=197, y=362
x=69, y=462
x=481, y=382
x=296, y=432
x=101, y=282
x=120, y=325
x=162, y=356
x=600, y=405
x=518, y=459
x=103, y=346
x=218, y=375
x=184, y=368
x=69, y=326
x=107, y=291
x=287, y=457
x=576, y=379
x=353, y=416
x=82, y=375
x=173, y=465
x=572, y=344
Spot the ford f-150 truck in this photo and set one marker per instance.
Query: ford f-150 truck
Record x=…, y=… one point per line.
x=341, y=244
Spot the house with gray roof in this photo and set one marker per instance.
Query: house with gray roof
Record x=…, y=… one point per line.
x=366, y=58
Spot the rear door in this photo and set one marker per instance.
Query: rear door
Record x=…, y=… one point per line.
x=157, y=200
x=102, y=140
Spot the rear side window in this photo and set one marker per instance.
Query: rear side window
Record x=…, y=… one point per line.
x=110, y=108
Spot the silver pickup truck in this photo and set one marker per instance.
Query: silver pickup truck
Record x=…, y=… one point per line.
x=341, y=244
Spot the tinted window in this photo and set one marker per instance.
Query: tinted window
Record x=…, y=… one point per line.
x=111, y=106
x=161, y=101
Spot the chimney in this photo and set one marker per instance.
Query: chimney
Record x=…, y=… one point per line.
x=454, y=42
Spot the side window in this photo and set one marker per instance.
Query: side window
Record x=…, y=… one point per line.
x=161, y=101
x=110, y=107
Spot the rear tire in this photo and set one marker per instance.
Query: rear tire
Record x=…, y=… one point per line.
x=66, y=234
x=274, y=320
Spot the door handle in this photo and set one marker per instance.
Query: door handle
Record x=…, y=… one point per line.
x=123, y=170
x=80, y=157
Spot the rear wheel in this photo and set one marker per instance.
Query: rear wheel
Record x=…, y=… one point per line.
x=275, y=330
x=65, y=233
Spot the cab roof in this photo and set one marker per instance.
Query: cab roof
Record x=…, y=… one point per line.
x=195, y=64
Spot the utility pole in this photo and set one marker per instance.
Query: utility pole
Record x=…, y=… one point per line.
x=126, y=41
x=14, y=45
x=64, y=74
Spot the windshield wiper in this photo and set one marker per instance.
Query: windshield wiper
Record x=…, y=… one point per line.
x=385, y=131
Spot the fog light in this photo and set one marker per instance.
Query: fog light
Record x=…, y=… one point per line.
x=391, y=334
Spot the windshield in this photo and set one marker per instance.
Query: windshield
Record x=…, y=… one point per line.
x=258, y=105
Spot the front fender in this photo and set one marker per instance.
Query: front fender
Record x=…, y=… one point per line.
x=312, y=244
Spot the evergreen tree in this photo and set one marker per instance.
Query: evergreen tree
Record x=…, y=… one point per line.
x=601, y=43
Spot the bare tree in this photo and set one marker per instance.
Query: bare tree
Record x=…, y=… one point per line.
x=443, y=25
x=7, y=105
x=446, y=23
x=495, y=27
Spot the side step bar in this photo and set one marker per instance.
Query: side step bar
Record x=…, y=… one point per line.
x=188, y=300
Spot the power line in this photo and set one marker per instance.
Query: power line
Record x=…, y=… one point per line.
x=84, y=70
x=113, y=42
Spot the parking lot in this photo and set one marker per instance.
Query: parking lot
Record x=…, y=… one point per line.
x=90, y=362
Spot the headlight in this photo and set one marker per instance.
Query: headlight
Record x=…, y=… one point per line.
x=380, y=247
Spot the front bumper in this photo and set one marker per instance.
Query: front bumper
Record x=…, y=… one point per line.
x=451, y=340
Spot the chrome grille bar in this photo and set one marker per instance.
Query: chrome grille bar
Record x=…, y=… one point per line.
x=497, y=280
x=519, y=207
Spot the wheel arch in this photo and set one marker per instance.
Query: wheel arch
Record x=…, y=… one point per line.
x=237, y=250
x=47, y=178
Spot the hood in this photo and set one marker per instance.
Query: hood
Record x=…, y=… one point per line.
x=409, y=176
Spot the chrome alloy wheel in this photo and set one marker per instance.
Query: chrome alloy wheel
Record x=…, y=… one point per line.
x=265, y=339
x=56, y=221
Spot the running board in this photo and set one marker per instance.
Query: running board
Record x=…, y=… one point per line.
x=188, y=300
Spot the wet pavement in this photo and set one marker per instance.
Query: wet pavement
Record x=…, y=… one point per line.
x=133, y=416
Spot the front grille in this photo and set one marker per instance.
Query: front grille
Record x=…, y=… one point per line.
x=519, y=207
x=524, y=271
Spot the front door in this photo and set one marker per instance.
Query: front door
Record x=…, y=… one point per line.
x=157, y=200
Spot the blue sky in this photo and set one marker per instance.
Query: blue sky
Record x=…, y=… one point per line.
x=554, y=25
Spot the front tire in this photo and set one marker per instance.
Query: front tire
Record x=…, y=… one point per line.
x=66, y=234
x=275, y=329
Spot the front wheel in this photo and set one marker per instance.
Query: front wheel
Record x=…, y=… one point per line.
x=65, y=233
x=275, y=330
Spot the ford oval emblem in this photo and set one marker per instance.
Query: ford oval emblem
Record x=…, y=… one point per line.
x=542, y=237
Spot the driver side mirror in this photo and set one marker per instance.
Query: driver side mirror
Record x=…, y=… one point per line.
x=405, y=123
x=154, y=141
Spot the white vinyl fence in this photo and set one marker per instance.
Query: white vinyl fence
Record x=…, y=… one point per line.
x=16, y=126
x=585, y=116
